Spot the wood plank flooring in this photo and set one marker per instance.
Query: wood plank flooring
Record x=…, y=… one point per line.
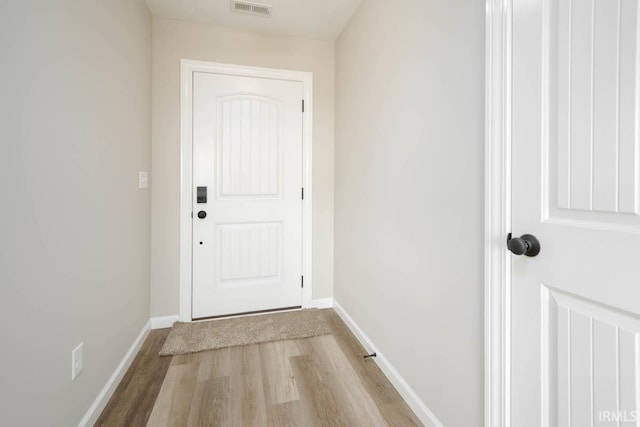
x=318, y=381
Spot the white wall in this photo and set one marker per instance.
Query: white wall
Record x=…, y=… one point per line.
x=409, y=193
x=74, y=229
x=174, y=40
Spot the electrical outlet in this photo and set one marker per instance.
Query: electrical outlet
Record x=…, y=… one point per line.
x=143, y=180
x=77, y=361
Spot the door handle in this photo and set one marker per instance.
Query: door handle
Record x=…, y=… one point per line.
x=202, y=214
x=527, y=245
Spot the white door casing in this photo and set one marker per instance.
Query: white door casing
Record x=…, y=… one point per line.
x=497, y=213
x=563, y=328
x=256, y=233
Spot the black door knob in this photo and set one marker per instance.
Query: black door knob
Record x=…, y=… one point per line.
x=526, y=245
x=202, y=214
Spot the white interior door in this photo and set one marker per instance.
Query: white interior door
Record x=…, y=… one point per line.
x=575, y=331
x=247, y=153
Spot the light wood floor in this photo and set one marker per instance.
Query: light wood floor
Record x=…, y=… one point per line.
x=318, y=381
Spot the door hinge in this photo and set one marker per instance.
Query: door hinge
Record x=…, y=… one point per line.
x=303, y=105
x=302, y=193
x=302, y=281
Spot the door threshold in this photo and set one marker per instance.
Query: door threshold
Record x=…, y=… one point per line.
x=248, y=313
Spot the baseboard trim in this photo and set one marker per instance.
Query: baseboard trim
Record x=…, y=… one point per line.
x=164, y=321
x=421, y=410
x=98, y=405
x=321, y=303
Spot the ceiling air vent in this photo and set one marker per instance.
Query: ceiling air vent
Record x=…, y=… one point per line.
x=251, y=8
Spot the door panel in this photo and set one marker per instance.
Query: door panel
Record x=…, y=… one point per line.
x=591, y=359
x=592, y=109
x=249, y=156
x=575, y=313
x=247, y=151
x=249, y=252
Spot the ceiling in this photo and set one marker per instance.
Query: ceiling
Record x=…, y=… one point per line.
x=317, y=19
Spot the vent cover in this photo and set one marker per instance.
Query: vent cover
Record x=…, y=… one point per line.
x=251, y=8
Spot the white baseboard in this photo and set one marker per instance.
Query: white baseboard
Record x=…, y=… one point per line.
x=321, y=303
x=96, y=408
x=421, y=410
x=163, y=321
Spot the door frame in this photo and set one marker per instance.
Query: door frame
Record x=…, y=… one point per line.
x=497, y=276
x=187, y=68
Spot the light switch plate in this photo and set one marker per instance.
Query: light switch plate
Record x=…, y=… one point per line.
x=77, y=361
x=143, y=180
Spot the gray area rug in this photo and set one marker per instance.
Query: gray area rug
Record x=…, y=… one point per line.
x=193, y=337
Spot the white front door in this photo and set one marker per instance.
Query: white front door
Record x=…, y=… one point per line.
x=575, y=313
x=247, y=163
